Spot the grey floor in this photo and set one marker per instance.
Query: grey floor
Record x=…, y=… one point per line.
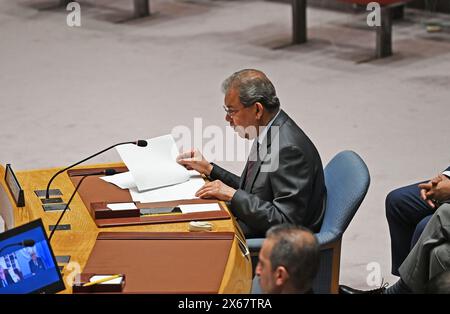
x=68, y=92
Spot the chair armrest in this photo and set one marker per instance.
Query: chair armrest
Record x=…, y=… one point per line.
x=323, y=238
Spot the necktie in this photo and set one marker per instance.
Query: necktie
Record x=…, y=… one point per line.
x=251, y=163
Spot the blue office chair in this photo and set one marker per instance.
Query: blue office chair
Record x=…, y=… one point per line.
x=347, y=180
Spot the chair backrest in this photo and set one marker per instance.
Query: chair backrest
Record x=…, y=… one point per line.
x=347, y=180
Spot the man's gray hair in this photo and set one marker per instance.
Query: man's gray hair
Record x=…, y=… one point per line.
x=253, y=86
x=296, y=248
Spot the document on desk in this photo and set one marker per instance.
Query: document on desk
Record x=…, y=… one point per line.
x=181, y=191
x=155, y=165
x=123, y=180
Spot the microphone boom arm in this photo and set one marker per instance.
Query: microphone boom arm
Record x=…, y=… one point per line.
x=65, y=208
x=79, y=162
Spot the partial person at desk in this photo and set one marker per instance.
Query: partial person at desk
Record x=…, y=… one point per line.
x=283, y=180
x=36, y=264
x=5, y=278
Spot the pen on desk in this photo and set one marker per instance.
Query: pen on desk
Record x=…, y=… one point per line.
x=101, y=280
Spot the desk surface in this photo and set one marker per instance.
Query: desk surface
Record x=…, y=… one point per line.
x=79, y=241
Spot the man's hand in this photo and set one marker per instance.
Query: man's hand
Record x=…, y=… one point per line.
x=436, y=190
x=194, y=160
x=216, y=189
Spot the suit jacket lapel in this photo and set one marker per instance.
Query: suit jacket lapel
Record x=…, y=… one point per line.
x=264, y=150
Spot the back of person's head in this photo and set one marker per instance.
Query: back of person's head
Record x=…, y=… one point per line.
x=296, y=248
x=439, y=284
x=253, y=86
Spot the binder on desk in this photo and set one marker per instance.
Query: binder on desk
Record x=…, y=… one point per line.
x=96, y=194
x=163, y=262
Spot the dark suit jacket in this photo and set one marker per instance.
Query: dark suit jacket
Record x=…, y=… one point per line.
x=36, y=268
x=294, y=192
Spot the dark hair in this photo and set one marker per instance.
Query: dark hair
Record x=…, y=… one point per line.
x=253, y=86
x=296, y=248
x=439, y=284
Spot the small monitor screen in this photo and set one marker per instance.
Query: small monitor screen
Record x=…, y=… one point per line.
x=27, y=262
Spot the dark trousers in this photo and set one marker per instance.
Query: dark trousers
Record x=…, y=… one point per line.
x=407, y=215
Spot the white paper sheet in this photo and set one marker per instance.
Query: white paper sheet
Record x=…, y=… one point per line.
x=154, y=166
x=121, y=206
x=123, y=180
x=185, y=190
x=117, y=280
x=198, y=208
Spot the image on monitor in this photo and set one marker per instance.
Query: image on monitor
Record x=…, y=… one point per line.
x=27, y=262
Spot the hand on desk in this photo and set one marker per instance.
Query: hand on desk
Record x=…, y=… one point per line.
x=436, y=190
x=216, y=189
x=194, y=160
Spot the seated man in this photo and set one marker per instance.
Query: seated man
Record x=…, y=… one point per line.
x=36, y=264
x=283, y=180
x=288, y=260
x=428, y=258
x=407, y=214
x=5, y=278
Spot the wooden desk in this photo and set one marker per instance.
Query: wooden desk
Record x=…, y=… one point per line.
x=79, y=241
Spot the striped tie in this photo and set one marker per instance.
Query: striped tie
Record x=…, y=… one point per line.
x=251, y=167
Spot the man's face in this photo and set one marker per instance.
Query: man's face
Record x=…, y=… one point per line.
x=33, y=257
x=267, y=277
x=243, y=120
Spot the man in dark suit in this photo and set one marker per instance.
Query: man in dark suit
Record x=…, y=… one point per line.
x=283, y=181
x=430, y=256
x=407, y=213
x=427, y=259
x=5, y=278
x=36, y=264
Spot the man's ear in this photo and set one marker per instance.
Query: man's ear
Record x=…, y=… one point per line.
x=281, y=276
x=259, y=110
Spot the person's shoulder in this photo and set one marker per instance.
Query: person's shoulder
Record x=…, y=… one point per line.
x=291, y=135
x=290, y=131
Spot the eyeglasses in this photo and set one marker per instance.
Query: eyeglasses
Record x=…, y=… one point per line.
x=230, y=112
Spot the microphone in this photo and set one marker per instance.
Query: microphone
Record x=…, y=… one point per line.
x=107, y=172
x=28, y=242
x=140, y=143
x=24, y=243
